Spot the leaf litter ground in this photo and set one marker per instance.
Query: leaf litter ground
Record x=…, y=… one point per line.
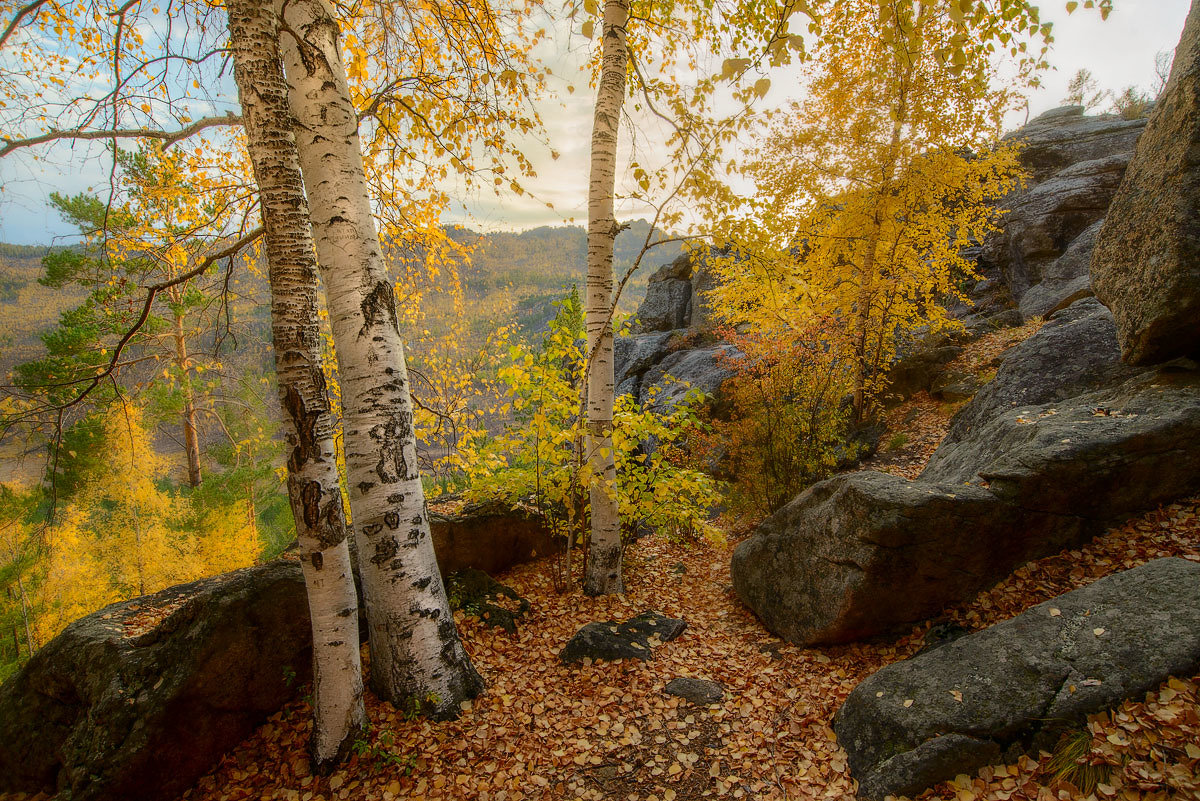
x=544, y=730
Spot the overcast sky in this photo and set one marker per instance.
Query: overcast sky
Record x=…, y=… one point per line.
x=1119, y=52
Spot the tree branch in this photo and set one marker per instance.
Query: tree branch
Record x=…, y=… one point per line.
x=168, y=138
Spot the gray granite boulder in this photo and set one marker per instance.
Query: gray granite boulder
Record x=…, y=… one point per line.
x=1065, y=136
x=1146, y=265
x=1074, y=352
x=140, y=699
x=633, y=639
x=987, y=697
x=868, y=553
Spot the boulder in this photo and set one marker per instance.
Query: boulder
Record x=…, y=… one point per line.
x=139, y=700
x=633, y=639
x=990, y=696
x=705, y=369
x=668, y=302
x=477, y=593
x=1042, y=221
x=700, y=692
x=1065, y=281
x=634, y=355
x=491, y=537
x=919, y=365
x=1146, y=266
x=1065, y=136
x=867, y=553
x=1074, y=352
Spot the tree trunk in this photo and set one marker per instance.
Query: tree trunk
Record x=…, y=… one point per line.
x=191, y=439
x=602, y=573
x=417, y=660
x=313, y=485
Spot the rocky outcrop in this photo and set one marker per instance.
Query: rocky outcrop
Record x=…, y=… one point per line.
x=990, y=696
x=137, y=701
x=491, y=537
x=1075, y=164
x=867, y=553
x=1146, y=266
x=633, y=639
x=1074, y=352
x=1064, y=136
x=671, y=350
x=1042, y=221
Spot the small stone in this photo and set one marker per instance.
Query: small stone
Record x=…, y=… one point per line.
x=701, y=692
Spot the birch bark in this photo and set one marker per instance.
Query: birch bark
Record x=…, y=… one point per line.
x=313, y=483
x=417, y=659
x=602, y=574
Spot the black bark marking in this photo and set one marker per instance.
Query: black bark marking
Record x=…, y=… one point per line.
x=365, y=486
x=305, y=422
x=393, y=520
x=372, y=529
x=385, y=550
x=379, y=307
x=396, y=498
x=310, y=501
x=421, y=584
x=390, y=437
x=347, y=612
x=318, y=561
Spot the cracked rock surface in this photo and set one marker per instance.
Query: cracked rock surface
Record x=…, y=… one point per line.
x=1015, y=686
x=633, y=639
x=1064, y=442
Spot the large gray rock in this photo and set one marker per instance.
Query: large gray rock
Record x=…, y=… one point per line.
x=634, y=355
x=1146, y=266
x=1065, y=136
x=1074, y=352
x=668, y=302
x=1065, y=281
x=705, y=369
x=868, y=553
x=115, y=708
x=491, y=537
x=987, y=697
x=1042, y=221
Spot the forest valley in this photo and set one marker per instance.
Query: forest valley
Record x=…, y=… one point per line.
x=835, y=406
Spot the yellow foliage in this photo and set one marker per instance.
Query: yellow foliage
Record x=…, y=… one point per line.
x=124, y=535
x=873, y=188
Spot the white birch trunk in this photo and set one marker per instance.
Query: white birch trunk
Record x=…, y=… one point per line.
x=602, y=574
x=417, y=659
x=313, y=484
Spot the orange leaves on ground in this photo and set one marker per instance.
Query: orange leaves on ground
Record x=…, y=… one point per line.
x=544, y=730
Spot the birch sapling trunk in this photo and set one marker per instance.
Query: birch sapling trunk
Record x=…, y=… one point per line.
x=191, y=433
x=313, y=484
x=602, y=573
x=417, y=659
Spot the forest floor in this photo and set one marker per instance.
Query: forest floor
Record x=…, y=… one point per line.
x=546, y=730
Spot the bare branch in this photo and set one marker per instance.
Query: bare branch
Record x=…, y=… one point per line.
x=168, y=138
x=24, y=11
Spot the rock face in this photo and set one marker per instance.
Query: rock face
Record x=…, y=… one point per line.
x=990, y=696
x=1146, y=266
x=109, y=711
x=671, y=349
x=867, y=553
x=1074, y=352
x=488, y=537
x=633, y=639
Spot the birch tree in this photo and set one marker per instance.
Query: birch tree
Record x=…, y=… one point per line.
x=416, y=656
x=313, y=483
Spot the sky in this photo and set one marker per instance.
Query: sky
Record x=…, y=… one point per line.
x=1119, y=52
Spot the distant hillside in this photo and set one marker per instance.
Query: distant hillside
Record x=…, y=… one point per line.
x=27, y=308
x=529, y=270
